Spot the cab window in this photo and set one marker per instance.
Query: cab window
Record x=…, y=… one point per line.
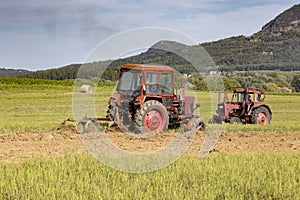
x=152, y=83
x=166, y=83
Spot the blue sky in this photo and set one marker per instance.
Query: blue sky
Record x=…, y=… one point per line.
x=37, y=34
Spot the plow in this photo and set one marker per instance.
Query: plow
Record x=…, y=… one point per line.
x=87, y=124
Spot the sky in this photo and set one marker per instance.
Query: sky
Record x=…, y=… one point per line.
x=42, y=34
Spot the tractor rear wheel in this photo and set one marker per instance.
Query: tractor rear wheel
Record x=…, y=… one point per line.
x=235, y=120
x=261, y=115
x=152, y=116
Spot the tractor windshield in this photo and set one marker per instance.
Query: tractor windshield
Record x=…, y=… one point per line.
x=130, y=82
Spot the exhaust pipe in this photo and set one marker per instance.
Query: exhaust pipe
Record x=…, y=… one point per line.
x=181, y=94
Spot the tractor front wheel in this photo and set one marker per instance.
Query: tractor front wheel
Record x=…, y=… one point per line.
x=235, y=120
x=152, y=116
x=261, y=115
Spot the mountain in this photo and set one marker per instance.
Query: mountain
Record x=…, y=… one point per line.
x=289, y=20
x=13, y=72
x=62, y=73
x=275, y=47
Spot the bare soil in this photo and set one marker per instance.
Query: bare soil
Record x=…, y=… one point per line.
x=18, y=146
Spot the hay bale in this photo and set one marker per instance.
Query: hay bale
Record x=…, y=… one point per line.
x=86, y=89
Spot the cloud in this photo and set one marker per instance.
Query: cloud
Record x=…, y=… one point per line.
x=202, y=26
x=53, y=33
x=88, y=18
x=244, y=21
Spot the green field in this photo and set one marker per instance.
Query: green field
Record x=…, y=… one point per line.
x=271, y=176
x=41, y=107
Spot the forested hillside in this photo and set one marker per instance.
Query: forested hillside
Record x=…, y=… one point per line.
x=13, y=72
x=275, y=47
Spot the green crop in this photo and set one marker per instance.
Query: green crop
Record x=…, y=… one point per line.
x=254, y=176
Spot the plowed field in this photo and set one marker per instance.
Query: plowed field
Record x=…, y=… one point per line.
x=17, y=146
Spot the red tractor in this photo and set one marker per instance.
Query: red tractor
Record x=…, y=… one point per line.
x=242, y=105
x=145, y=100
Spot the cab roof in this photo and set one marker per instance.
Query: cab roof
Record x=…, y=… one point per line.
x=144, y=67
x=249, y=90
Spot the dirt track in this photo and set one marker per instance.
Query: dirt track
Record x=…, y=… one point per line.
x=17, y=146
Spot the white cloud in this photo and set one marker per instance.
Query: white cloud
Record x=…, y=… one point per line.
x=200, y=26
x=246, y=21
x=69, y=29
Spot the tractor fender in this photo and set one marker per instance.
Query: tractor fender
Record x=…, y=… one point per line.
x=116, y=97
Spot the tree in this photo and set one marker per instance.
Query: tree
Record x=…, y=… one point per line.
x=198, y=82
x=230, y=82
x=296, y=83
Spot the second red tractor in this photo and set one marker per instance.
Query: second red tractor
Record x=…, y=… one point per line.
x=242, y=105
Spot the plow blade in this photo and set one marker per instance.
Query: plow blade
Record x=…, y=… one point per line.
x=89, y=124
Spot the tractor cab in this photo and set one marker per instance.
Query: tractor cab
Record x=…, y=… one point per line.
x=144, y=82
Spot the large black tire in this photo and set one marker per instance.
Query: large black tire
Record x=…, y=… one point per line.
x=235, y=120
x=152, y=116
x=261, y=115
